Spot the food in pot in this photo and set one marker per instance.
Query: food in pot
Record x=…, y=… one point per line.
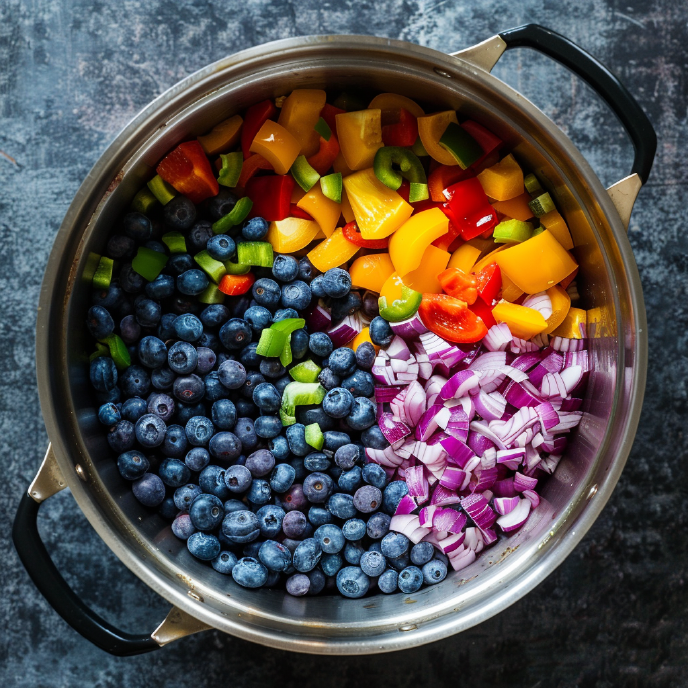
x=334, y=346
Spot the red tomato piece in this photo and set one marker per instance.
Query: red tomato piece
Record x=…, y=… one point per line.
x=451, y=319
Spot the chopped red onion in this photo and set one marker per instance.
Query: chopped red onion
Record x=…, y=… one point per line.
x=398, y=349
x=522, y=346
x=346, y=330
x=489, y=459
x=527, y=361
x=460, y=384
x=522, y=482
x=479, y=510
x=515, y=518
x=498, y=337
x=462, y=559
x=386, y=393
x=407, y=505
x=511, y=458
x=443, y=497
x=409, y=328
x=549, y=464
x=571, y=377
x=428, y=422
x=489, y=361
x=392, y=427
x=521, y=394
x=490, y=406
x=562, y=344
x=458, y=452
x=570, y=404
x=533, y=497
x=505, y=505
x=541, y=303
x=504, y=488
x=432, y=388
x=452, y=543
x=438, y=349
x=417, y=483
x=489, y=537
x=425, y=516
x=452, y=477
x=483, y=479
x=448, y=520
x=318, y=318
x=482, y=428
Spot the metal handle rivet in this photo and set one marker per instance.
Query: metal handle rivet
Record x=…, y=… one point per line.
x=80, y=472
x=593, y=492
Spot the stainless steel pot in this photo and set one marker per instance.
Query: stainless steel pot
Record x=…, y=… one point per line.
x=79, y=457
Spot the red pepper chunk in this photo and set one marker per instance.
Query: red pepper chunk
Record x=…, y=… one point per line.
x=235, y=285
x=469, y=209
x=255, y=118
x=402, y=133
x=325, y=157
x=295, y=211
x=271, y=196
x=328, y=113
x=188, y=170
x=451, y=319
x=352, y=234
x=458, y=284
x=484, y=312
x=251, y=165
x=442, y=177
x=489, y=283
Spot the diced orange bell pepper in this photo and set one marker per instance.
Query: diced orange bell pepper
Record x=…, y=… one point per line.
x=347, y=210
x=332, y=252
x=371, y=272
x=291, y=234
x=277, y=145
x=299, y=114
x=457, y=283
x=363, y=336
x=465, y=257
x=515, y=208
x=234, y=285
x=522, y=321
x=536, y=264
x=430, y=130
x=360, y=136
x=391, y=289
x=510, y=292
x=188, y=170
x=570, y=328
x=251, y=165
x=323, y=210
x=326, y=155
x=378, y=210
x=395, y=101
x=504, y=180
x=561, y=303
x=555, y=223
x=223, y=137
x=408, y=243
x=424, y=278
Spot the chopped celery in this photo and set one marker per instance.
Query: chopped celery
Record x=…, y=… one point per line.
x=235, y=217
x=143, y=201
x=301, y=394
x=323, y=128
x=512, y=232
x=532, y=185
x=213, y=268
x=103, y=274
x=175, y=242
x=148, y=263
x=419, y=149
x=163, y=191
x=286, y=418
x=542, y=205
x=271, y=343
x=257, y=253
x=286, y=356
x=101, y=350
x=231, y=169
x=305, y=176
x=331, y=186
x=314, y=436
x=211, y=294
x=118, y=351
x=461, y=145
x=306, y=371
x=236, y=268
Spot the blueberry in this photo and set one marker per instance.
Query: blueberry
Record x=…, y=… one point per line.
x=149, y=490
x=214, y=389
x=152, y=352
x=179, y=263
x=328, y=379
x=363, y=414
x=137, y=226
x=150, y=430
x=241, y=527
x=266, y=292
x=309, y=415
x=185, y=412
x=284, y=314
x=374, y=474
x=331, y=563
x=299, y=343
x=411, y=578
x=109, y=414
x=354, y=529
x=296, y=462
x=352, y=582
x=307, y=555
x=282, y=477
x=232, y=374
x=347, y=305
x=285, y=268
x=214, y=315
x=393, y=494
x=335, y=439
x=221, y=247
x=224, y=562
x=132, y=465
x=179, y=213
x=199, y=430
x=200, y=234
x=197, y=458
x=188, y=327
x=318, y=487
x=373, y=563
x=274, y=555
x=279, y=447
x=373, y=438
x=347, y=456
x=235, y=334
x=184, y=496
x=316, y=461
x=135, y=381
x=341, y=360
x=378, y=525
x=189, y=389
x=350, y=481
x=224, y=446
x=365, y=355
x=167, y=509
x=330, y=538
x=380, y=331
x=162, y=287
x=157, y=246
x=394, y=545
x=294, y=498
x=341, y=505
x=296, y=295
x=337, y=402
x=259, y=492
x=245, y=431
x=192, y=282
x=182, y=358
x=246, y=409
x=99, y=322
x=203, y=546
x=266, y=397
x=103, y=374
x=232, y=505
x=120, y=246
x=294, y=524
x=399, y=563
x=306, y=269
x=129, y=330
x=318, y=581
x=166, y=326
x=248, y=356
x=223, y=414
x=182, y=527
x=367, y=499
x=298, y=585
x=387, y=582
x=296, y=436
x=270, y=518
x=320, y=344
x=206, y=512
x=360, y=383
x=238, y=479
x=254, y=229
x=272, y=368
x=258, y=318
x=221, y=204
x=317, y=516
x=336, y=282
x=422, y=553
x=161, y=405
x=147, y=313
x=174, y=473
x=260, y=463
x=318, y=287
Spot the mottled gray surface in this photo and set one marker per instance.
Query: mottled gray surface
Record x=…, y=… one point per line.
x=72, y=73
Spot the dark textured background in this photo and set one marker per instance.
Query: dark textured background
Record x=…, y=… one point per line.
x=73, y=72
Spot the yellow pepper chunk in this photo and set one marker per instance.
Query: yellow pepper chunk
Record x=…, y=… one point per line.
x=291, y=234
x=299, y=114
x=347, y=210
x=332, y=252
x=378, y=210
x=430, y=130
x=488, y=259
x=394, y=101
x=561, y=303
x=408, y=243
x=536, y=264
x=391, y=289
x=363, y=336
x=277, y=146
x=464, y=258
x=222, y=137
x=556, y=224
x=371, y=272
x=339, y=165
x=503, y=180
x=322, y=209
x=424, y=279
x=359, y=135
x=570, y=328
x=522, y=321
x=510, y=292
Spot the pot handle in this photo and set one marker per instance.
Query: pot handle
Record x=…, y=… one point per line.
x=600, y=79
x=50, y=583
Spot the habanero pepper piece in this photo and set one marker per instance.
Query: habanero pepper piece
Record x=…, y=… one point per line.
x=556, y=224
x=277, y=145
x=457, y=283
x=564, y=284
x=461, y=145
x=295, y=211
x=561, y=304
x=231, y=169
x=326, y=155
x=103, y=273
x=424, y=279
x=573, y=325
x=410, y=167
x=188, y=170
x=291, y=234
x=235, y=285
x=328, y=113
x=451, y=319
x=504, y=180
x=484, y=312
x=148, y=263
x=403, y=133
x=353, y=234
x=401, y=308
x=251, y=165
x=465, y=257
x=234, y=217
x=489, y=282
x=271, y=196
x=254, y=119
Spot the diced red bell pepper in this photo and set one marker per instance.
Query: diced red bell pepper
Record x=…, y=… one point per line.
x=295, y=211
x=188, y=170
x=255, y=118
x=469, y=209
x=484, y=312
x=451, y=319
x=486, y=139
x=403, y=133
x=251, y=165
x=489, y=283
x=442, y=177
x=234, y=285
x=328, y=113
x=457, y=283
x=352, y=234
x=271, y=196
x=323, y=159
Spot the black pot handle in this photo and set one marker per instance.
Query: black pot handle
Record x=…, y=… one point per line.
x=60, y=596
x=599, y=78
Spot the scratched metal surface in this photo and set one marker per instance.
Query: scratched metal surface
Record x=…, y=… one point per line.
x=72, y=73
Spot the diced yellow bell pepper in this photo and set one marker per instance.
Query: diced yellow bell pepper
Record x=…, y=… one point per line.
x=510, y=292
x=363, y=336
x=299, y=114
x=291, y=234
x=561, y=303
x=391, y=289
x=277, y=146
x=322, y=209
x=394, y=101
x=430, y=130
x=371, y=271
x=424, y=278
x=332, y=252
x=516, y=208
x=536, y=264
x=408, y=243
x=570, y=328
x=347, y=210
x=464, y=257
x=320, y=235
x=378, y=210
x=487, y=259
x=522, y=321
x=556, y=224
x=360, y=135
x=503, y=180
x=339, y=165
x=223, y=137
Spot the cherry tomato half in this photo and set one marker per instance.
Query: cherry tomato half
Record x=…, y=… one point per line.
x=451, y=319
x=353, y=234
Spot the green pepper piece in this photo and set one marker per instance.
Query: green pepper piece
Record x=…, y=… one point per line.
x=211, y=294
x=143, y=201
x=461, y=145
x=213, y=268
x=101, y=350
x=118, y=351
x=148, y=263
x=286, y=356
x=90, y=268
x=301, y=394
x=331, y=186
x=163, y=191
x=419, y=149
x=410, y=167
x=231, y=169
x=286, y=418
x=418, y=192
x=306, y=371
x=257, y=253
x=323, y=128
x=271, y=343
x=235, y=217
x=236, y=268
x=175, y=242
x=402, y=308
x=288, y=325
x=512, y=232
x=314, y=436
x=542, y=205
x=103, y=274
x=538, y=230
x=305, y=176
x=532, y=184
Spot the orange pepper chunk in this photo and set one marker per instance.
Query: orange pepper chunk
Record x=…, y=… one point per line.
x=408, y=243
x=516, y=208
x=291, y=234
x=332, y=252
x=464, y=257
x=424, y=278
x=430, y=130
x=371, y=272
x=322, y=209
x=299, y=114
x=561, y=303
x=363, y=336
x=555, y=223
x=523, y=322
x=223, y=137
x=277, y=145
x=360, y=137
x=504, y=180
